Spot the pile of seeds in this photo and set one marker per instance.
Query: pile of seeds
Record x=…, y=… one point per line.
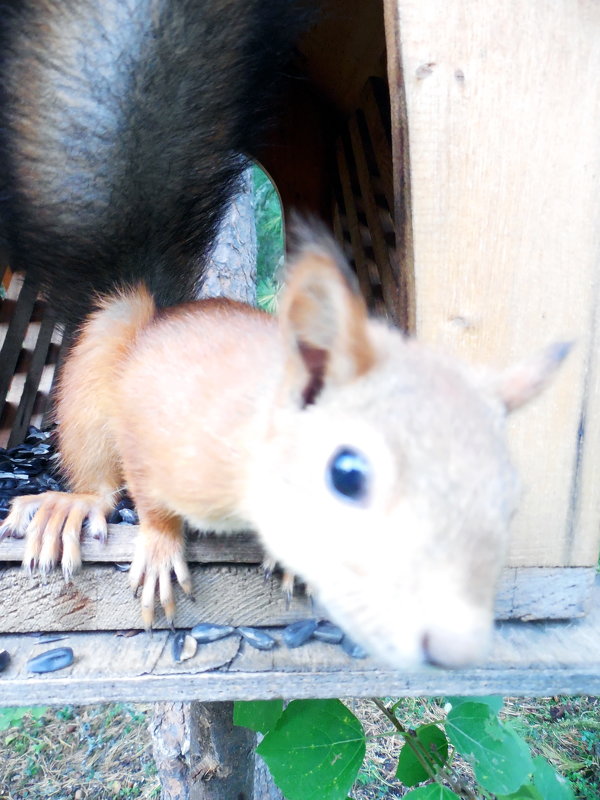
x=33, y=468
x=185, y=643
x=29, y=468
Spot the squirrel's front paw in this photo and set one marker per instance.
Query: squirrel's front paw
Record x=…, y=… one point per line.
x=51, y=524
x=156, y=557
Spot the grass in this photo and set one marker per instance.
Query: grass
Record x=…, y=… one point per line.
x=77, y=753
x=104, y=751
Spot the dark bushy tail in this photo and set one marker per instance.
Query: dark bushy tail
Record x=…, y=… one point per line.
x=122, y=127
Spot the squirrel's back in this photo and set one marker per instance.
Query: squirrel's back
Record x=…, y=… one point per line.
x=123, y=128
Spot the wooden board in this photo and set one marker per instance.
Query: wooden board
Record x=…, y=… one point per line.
x=496, y=115
x=229, y=588
x=526, y=659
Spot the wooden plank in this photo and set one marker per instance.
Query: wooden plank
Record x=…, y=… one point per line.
x=526, y=659
x=402, y=209
x=205, y=548
x=16, y=328
x=99, y=597
x=32, y=382
x=63, y=339
x=503, y=119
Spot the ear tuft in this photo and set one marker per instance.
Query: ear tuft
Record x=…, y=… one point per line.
x=324, y=320
x=524, y=381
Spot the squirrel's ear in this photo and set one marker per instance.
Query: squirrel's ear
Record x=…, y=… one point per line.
x=324, y=321
x=525, y=380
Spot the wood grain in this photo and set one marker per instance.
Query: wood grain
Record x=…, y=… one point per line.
x=526, y=659
x=99, y=597
x=502, y=137
x=205, y=548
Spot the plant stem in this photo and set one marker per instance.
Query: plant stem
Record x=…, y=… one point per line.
x=410, y=739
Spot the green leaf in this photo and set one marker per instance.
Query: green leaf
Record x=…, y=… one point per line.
x=432, y=792
x=433, y=746
x=527, y=792
x=494, y=701
x=9, y=717
x=549, y=783
x=258, y=715
x=315, y=750
x=500, y=758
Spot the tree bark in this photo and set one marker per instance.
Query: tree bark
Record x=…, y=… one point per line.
x=231, y=270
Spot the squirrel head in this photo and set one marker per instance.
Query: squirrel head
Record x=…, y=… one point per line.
x=386, y=482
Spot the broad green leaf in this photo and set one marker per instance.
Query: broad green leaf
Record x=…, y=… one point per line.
x=433, y=745
x=258, y=715
x=315, y=750
x=500, y=758
x=549, y=783
x=493, y=701
x=527, y=792
x=432, y=792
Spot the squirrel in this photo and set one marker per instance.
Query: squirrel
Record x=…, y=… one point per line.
x=372, y=467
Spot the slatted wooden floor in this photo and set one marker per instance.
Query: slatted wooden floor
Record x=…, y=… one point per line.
x=526, y=658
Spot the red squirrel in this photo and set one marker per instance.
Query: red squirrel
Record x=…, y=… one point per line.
x=371, y=467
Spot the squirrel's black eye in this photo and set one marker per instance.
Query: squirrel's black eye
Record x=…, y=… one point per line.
x=348, y=474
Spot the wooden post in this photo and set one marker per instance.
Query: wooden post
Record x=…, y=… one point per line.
x=200, y=754
x=496, y=116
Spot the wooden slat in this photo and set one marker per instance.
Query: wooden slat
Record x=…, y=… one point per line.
x=503, y=117
x=32, y=382
x=381, y=141
x=389, y=281
x=19, y=316
x=99, y=598
x=240, y=548
x=358, y=250
x=65, y=340
x=525, y=660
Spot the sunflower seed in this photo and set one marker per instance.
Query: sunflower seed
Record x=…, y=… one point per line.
x=206, y=632
x=328, y=632
x=299, y=632
x=258, y=639
x=51, y=660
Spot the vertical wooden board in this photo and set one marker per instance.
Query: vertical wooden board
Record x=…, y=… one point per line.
x=503, y=115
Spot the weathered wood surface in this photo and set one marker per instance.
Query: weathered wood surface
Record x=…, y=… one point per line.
x=526, y=659
x=229, y=588
x=206, y=548
x=502, y=135
x=99, y=598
